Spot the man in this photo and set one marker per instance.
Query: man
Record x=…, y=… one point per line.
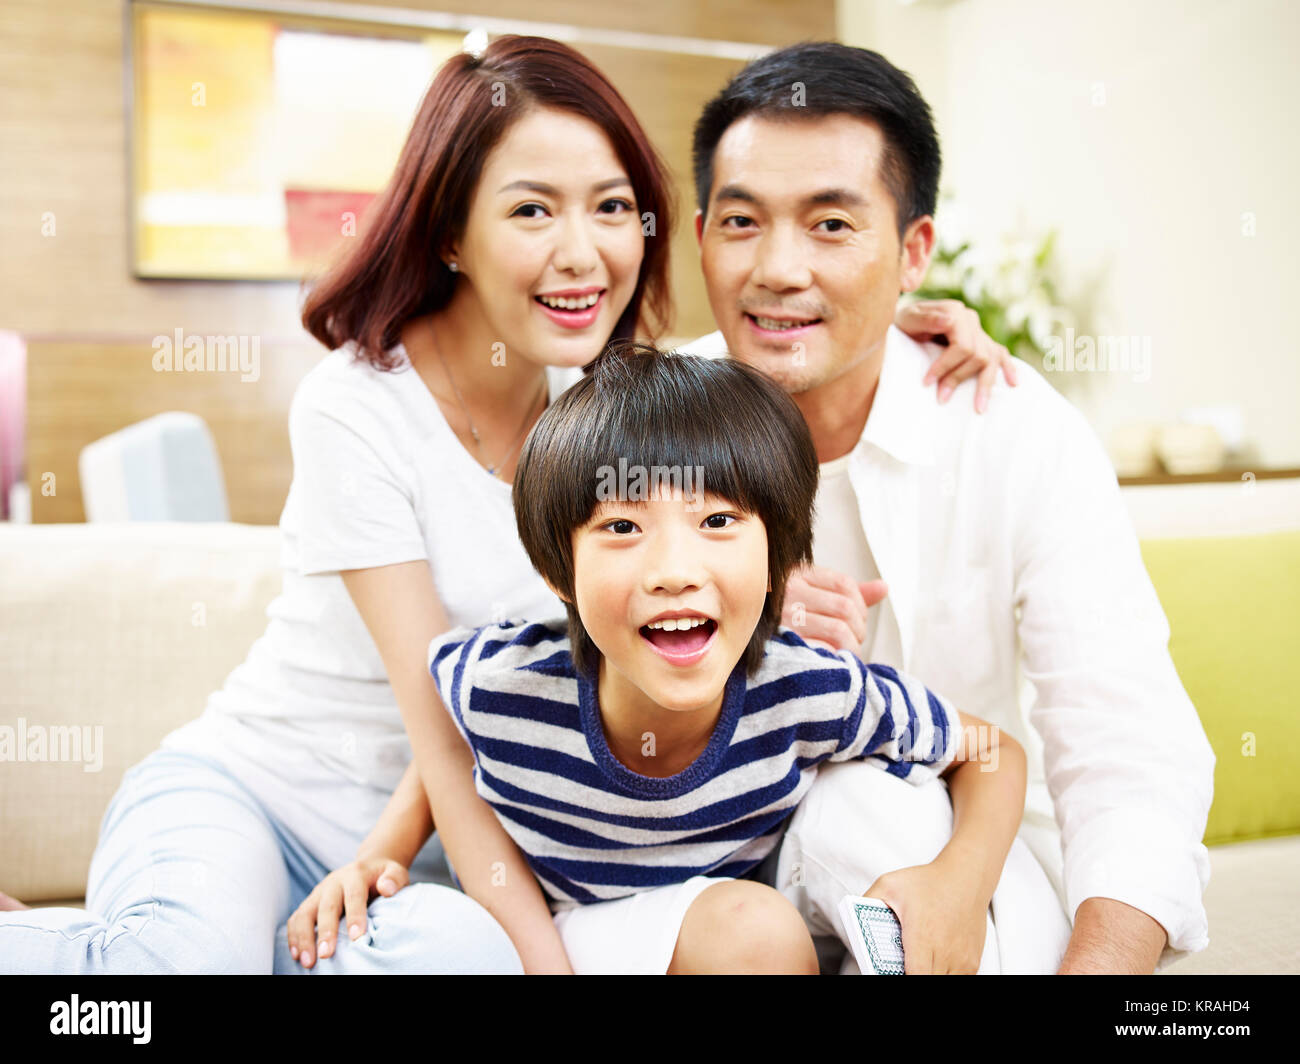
x=1008, y=555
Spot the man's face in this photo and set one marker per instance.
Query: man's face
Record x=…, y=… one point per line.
x=800, y=246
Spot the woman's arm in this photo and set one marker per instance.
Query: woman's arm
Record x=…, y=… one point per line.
x=402, y=613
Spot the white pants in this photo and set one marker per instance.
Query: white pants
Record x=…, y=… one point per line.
x=857, y=822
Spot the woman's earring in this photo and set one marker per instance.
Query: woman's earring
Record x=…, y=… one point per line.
x=453, y=267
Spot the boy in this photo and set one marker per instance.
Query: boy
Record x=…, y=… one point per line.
x=646, y=753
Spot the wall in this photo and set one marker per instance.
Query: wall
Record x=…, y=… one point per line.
x=63, y=132
x=1156, y=137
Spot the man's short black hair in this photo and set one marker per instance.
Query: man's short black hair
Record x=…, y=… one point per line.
x=820, y=78
x=660, y=410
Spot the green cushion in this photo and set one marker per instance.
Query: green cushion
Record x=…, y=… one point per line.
x=1234, y=615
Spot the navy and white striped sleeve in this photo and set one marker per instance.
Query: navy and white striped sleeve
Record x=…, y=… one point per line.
x=450, y=655
x=896, y=722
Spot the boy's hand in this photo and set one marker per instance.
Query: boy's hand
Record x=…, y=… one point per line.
x=829, y=609
x=315, y=923
x=943, y=916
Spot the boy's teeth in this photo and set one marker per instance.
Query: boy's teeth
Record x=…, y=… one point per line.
x=571, y=303
x=677, y=623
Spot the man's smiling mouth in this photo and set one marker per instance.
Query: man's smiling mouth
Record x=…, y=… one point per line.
x=783, y=324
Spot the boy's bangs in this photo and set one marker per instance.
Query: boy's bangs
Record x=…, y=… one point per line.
x=705, y=448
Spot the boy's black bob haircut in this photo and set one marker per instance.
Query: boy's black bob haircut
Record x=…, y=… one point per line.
x=654, y=408
x=832, y=79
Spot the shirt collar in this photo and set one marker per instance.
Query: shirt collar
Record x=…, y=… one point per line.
x=902, y=418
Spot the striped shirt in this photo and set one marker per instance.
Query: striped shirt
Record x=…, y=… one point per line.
x=593, y=830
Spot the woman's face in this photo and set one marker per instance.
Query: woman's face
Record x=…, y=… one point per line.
x=553, y=242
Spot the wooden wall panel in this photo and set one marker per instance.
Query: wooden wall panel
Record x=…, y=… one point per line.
x=80, y=391
x=63, y=159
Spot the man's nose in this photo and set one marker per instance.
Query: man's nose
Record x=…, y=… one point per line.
x=781, y=263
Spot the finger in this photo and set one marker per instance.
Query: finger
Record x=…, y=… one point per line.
x=829, y=630
x=1009, y=370
x=327, y=921
x=922, y=320
x=356, y=894
x=393, y=878
x=951, y=358
x=302, y=925
x=874, y=592
x=984, y=389
x=830, y=606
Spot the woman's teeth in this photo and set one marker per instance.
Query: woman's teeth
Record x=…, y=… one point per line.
x=678, y=624
x=781, y=324
x=573, y=303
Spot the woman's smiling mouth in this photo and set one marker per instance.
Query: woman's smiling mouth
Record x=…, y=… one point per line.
x=572, y=308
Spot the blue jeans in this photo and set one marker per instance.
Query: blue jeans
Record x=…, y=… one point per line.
x=192, y=875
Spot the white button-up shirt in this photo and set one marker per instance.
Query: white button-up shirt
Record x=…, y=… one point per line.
x=1016, y=590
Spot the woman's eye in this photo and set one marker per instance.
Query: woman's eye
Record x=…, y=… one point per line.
x=529, y=210
x=709, y=521
x=615, y=206
x=621, y=527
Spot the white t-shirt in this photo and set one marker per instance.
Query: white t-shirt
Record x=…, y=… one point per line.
x=838, y=540
x=309, y=722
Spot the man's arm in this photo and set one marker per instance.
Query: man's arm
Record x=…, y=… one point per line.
x=1111, y=938
x=1127, y=763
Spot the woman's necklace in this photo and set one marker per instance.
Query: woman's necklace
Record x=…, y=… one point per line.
x=492, y=467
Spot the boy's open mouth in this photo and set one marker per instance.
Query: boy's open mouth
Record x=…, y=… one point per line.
x=681, y=637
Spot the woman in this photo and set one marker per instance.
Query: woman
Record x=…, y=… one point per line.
x=506, y=251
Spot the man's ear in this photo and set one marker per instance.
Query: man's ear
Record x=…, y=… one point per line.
x=699, y=227
x=918, y=246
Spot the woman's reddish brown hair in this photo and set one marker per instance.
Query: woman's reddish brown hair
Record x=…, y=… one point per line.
x=395, y=272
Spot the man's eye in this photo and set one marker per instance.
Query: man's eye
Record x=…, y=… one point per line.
x=834, y=225
x=535, y=210
x=736, y=221
x=730, y=519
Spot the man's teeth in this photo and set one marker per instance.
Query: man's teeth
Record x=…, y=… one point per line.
x=679, y=623
x=781, y=324
x=574, y=303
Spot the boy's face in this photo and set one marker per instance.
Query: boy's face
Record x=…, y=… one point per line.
x=635, y=562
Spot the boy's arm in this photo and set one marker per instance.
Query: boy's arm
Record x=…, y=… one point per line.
x=943, y=906
x=987, y=786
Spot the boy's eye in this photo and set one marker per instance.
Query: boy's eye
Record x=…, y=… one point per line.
x=712, y=518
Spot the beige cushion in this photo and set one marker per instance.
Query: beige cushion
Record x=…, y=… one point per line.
x=1251, y=899
x=122, y=627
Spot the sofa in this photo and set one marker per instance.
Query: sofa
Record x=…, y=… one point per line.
x=113, y=634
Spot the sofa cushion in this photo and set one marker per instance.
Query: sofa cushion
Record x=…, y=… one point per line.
x=1235, y=626
x=114, y=634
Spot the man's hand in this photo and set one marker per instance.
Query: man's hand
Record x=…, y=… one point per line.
x=943, y=914
x=829, y=609
x=1112, y=938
